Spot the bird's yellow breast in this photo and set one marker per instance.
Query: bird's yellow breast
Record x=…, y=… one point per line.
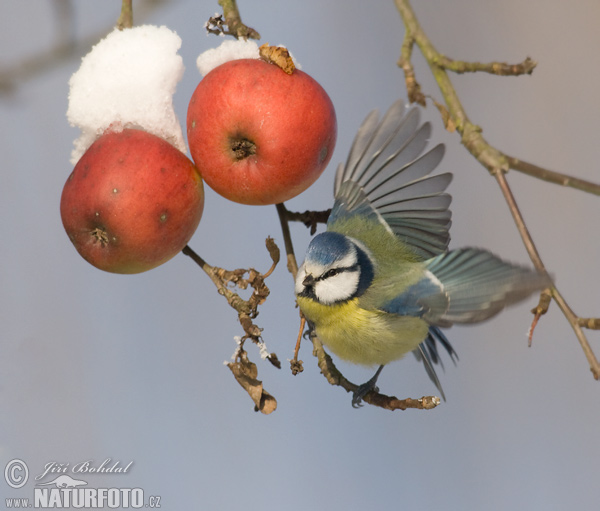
x=363, y=336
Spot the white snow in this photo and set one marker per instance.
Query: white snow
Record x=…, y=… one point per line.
x=230, y=50
x=127, y=80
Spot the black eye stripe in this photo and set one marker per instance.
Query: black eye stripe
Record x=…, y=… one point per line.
x=336, y=271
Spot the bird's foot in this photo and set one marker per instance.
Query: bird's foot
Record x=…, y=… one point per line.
x=365, y=388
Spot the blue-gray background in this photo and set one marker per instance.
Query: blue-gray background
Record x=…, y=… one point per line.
x=95, y=366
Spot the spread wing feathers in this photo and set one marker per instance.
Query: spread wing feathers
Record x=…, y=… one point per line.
x=466, y=286
x=427, y=352
x=386, y=178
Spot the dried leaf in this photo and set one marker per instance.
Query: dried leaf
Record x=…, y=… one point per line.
x=274, y=360
x=245, y=372
x=277, y=55
x=273, y=249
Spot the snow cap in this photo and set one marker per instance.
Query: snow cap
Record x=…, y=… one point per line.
x=127, y=81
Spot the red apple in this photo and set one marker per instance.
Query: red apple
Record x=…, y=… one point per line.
x=259, y=135
x=132, y=202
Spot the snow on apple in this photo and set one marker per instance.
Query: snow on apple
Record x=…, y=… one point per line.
x=134, y=199
x=235, y=49
x=127, y=80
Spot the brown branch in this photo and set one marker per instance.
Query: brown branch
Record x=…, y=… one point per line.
x=292, y=264
x=234, y=23
x=538, y=311
x=495, y=68
x=553, y=177
x=310, y=218
x=295, y=364
x=244, y=371
x=519, y=222
x=537, y=261
x=486, y=154
x=405, y=63
x=126, y=18
x=241, y=278
x=591, y=323
x=335, y=377
x=491, y=158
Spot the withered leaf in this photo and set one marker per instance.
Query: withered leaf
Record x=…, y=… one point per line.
x=245, y=372
x=277, y=55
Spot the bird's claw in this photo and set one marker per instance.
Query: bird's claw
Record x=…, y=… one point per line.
x=365, y=388
x=361, y=392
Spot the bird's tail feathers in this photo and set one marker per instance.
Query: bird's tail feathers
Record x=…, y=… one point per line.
x=474, y=285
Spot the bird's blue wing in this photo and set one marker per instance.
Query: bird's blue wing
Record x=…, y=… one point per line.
x=386, y=177
x=467, y=285
x=462, y=286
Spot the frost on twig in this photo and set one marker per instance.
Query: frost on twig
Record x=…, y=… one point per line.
x=244, y=371
x=243, y=279
x=230, y=23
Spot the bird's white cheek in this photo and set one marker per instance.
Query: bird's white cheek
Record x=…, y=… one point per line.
x=299, y=287
x=338, y=288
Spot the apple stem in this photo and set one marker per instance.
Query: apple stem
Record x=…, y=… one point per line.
x=234, y=21
x=126, y=18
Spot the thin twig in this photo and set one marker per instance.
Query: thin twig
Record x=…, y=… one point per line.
x=495, y=68
x=534, y=255
x=309, y=218
x=491, y=158
x=234, y=23
x=537, y=261
x=126, y=18
x=295, y=364
x=292, y=264
x=553, y=177
x=473, y=140
x=244, y=371
x=335, y=377
x=574, y=321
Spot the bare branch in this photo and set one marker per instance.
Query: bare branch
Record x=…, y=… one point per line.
x=234, y=23
x=310, y=218
x=126, y=18
x=292, y=264
x=553, y=177
x=335, y=377
x=491, y=158
x=244, y=371
x=495, y=68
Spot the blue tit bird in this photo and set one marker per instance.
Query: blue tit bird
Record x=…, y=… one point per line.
x=380, y=282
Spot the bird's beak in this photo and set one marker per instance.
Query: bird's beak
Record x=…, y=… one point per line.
x=309, y=280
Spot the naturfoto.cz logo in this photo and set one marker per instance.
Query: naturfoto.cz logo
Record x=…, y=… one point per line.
x=60, y=490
